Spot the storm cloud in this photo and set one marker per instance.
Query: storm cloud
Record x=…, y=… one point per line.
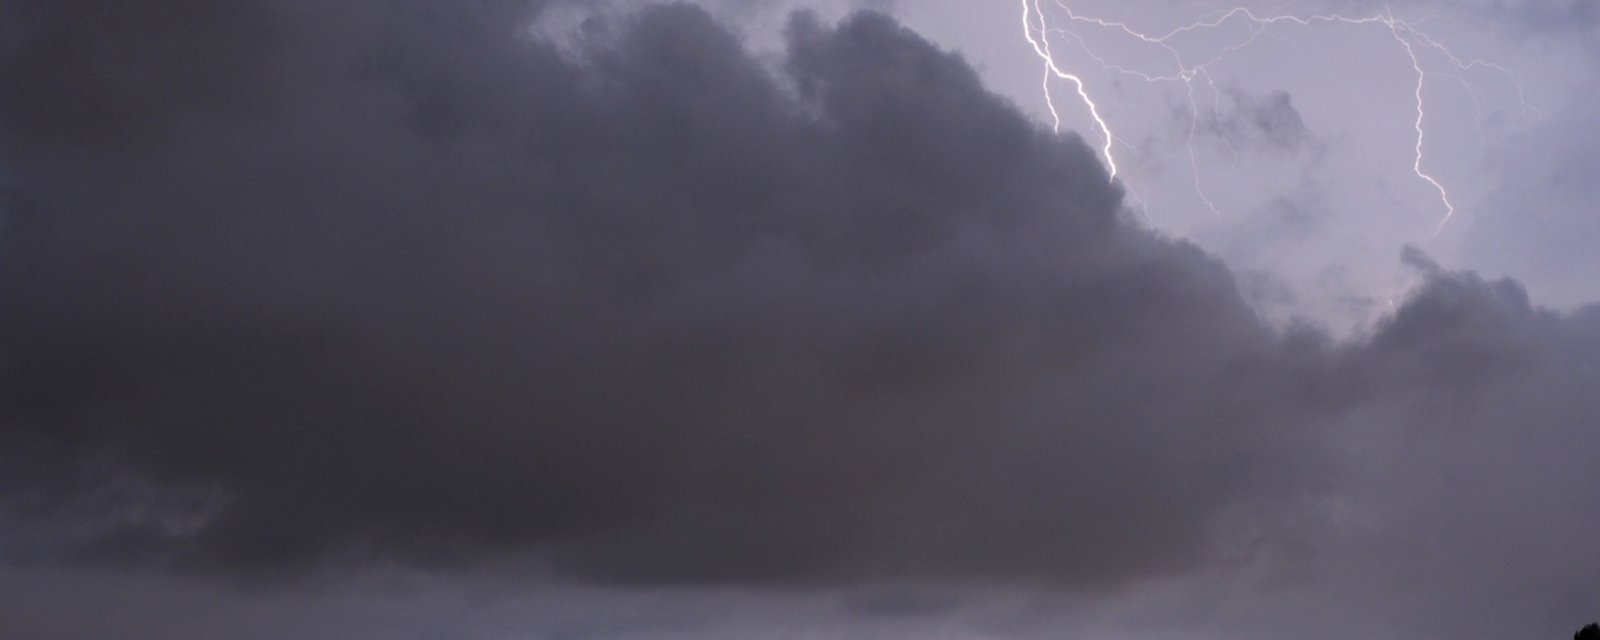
x=659, y=308
x=284, y=284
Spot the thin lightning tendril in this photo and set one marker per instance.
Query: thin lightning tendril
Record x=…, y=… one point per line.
x=1036, y=28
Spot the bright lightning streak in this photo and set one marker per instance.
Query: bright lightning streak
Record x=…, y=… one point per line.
x=1041, y=45
x=1036, y=28
x=1416, y=166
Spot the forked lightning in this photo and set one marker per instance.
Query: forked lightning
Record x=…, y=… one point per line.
x=1038, y=29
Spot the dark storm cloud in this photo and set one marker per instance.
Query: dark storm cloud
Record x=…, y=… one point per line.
x=288, y=282
x=1473, y=486
x=394, y=277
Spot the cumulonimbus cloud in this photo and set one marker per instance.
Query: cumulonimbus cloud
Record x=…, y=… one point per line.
x=395, y=278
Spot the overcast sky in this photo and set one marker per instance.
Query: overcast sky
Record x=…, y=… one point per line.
x=509, y=319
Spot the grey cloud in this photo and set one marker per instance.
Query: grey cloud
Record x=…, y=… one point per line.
x=1539, y=222
x=1530, y=18
x=1474, y=475
x=663, y=312
x=1266, y=123
x=391, y=280
x=1576, y=17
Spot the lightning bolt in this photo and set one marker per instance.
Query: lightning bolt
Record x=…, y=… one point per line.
x=1037, y=29
x=1416, y=165
x=1041, y=46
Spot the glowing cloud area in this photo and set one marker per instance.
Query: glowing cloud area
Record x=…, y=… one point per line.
x=1043, y=25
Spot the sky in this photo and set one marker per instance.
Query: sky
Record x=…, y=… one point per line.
x=734, y=319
